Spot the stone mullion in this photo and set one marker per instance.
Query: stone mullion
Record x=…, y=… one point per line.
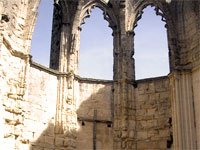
x=73, y=86
x=120, y=98
x=175, y=110
x=192, y=126
x=55, y=38
x=124, y=113
x=65, y=104
x=131, y=117
x=196, y=91
x=116, y=54
x=123, y=96
x=126, y=103
x=65, y=39
x=129, y=60
x=116, y=125
x=61, y=84
x=71, y=116
x=128, y=99
x=183, y=111
x=58, y=108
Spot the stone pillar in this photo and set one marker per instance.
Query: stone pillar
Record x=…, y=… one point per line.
x=55, y=38
x=62, y=82
x=66, y=107
x=184, y=132
x=124, y=102
x=196, y=92
x=124, y=116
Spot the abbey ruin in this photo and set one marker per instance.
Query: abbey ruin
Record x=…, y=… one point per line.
x=55, y=109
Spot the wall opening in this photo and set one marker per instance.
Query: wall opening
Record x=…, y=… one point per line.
x=96, y=48
x=41, y=41
x=150, y=46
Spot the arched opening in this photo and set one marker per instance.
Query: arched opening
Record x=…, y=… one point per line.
x=41, y=41
x=96, y=48
x=150, y=45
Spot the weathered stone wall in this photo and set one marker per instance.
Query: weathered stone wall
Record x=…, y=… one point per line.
x=95, y=96
x=12, y=94
x=187, y=24
x=13, y=72
x=32, y=96
x=14, y=61
x=153, y=113
x=39, y=120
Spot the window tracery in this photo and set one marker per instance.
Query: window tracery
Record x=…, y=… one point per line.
x=108, y=15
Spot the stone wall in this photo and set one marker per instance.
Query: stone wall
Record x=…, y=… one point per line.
x=14, y=60
x=153, y=113
x=31, y=95
x=12, y=92
x=189, y=39
x=94, y=96
x=39, y=121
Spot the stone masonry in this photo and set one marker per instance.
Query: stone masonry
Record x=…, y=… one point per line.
x=55, y=109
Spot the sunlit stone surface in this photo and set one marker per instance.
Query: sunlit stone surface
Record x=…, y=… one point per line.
x=53, y=108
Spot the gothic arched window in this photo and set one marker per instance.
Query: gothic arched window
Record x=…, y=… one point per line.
x=96, y=47
x=151, y=47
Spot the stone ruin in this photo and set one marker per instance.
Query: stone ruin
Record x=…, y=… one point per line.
x=55, y=109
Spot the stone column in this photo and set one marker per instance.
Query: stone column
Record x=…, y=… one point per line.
x=182, y=111
x=55, y=38
x=196, y=92
x=124, y=104
x=66, y=106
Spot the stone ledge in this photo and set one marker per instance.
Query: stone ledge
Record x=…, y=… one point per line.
x=152, y=79
x=43, y=68
x=57, y=73
x=90, y=80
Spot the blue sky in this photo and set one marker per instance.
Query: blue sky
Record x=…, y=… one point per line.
x=96, y=48
x=151, y=47
x=40, y=47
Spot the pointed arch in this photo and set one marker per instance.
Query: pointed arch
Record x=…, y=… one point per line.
x=96, y=48
x=32, y=17
x=107, y=13
x=162, y=9
x=83, y=13
x=41, y=40
x=138, y=10
x=149, y=56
